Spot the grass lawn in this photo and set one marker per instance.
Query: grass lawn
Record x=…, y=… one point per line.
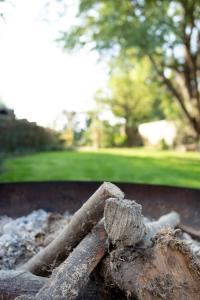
x=130, y=165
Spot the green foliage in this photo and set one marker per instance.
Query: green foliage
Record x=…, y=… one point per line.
x=72, y=130
x=100, y=133
x=163, y=145
x=145, y=25
x=167, y=32
x=148, y=26
x=1, y=162
x=133, y=95
x=22, y=136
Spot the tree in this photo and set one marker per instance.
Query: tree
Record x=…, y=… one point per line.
x=94, y=131
x=70, y=131
x=167, y=32
x=132, y=95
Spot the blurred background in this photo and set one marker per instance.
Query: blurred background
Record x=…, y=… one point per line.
x=100, y=90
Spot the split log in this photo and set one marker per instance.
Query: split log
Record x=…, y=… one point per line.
x=15, y=283
x=81, y=223
x=72, y=276
x=125, y=224
x=168, y=270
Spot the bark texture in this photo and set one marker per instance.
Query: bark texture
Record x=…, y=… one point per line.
x=15, y=283
x=168, y=270
x=81, y=223
x=72, y=276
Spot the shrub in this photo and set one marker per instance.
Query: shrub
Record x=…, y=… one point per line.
x=1, y=162
x=162, y=145
x=22, y=136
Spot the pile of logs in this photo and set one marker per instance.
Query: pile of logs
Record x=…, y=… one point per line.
x=109, y=242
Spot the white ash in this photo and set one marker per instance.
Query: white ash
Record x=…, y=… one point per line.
x=21, y=238
x=32, y=223
x=194, y=245
x=3, y=221
x=147, y=220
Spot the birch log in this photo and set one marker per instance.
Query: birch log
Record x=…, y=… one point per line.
x=81, y=223
x=69, y=279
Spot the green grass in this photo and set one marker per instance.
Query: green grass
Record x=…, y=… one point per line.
x=129, y=165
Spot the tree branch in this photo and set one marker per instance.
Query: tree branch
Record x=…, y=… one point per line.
x=177, y=95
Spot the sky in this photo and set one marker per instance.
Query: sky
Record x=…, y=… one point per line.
x=37, y=78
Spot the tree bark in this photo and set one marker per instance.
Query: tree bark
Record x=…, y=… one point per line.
x=81, y=223
x=72, y=276
x=132, y=135
x=165, y=271
x=15, y=283
x=192, y=115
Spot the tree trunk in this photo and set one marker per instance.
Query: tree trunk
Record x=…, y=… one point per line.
x=190, y=106
x=132, y=136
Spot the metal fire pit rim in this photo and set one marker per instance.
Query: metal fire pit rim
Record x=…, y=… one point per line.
x=162, y=186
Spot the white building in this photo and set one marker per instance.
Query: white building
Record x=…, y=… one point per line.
x=156, y=131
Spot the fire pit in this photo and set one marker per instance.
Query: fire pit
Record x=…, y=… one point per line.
x=21, y=199
x=18, y=199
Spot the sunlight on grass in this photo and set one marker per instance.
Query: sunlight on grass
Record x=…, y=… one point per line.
x=127, y=165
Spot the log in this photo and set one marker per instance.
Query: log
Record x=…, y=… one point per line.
x=126, y=226
x=123, y=222
x=81, y=223
x=195, y=234
x=95, y=290
x=15, y=283
x=168, y=270
x=70, y=278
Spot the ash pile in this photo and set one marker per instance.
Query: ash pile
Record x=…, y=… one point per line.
x=23, y=237
x=106, y=250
